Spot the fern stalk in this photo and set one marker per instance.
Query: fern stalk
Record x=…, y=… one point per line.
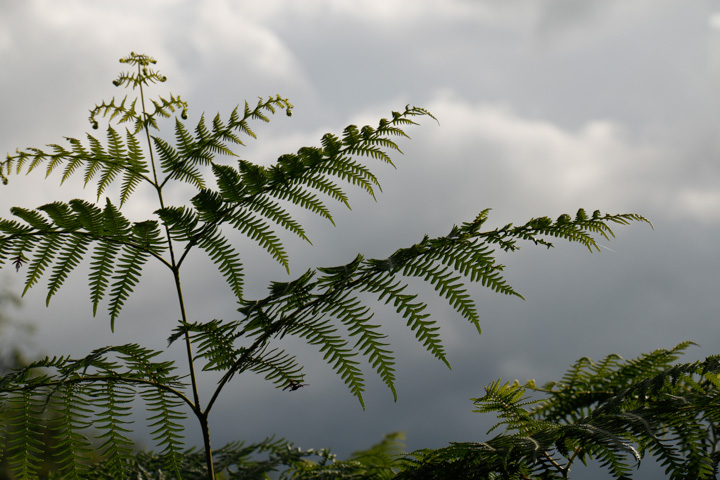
x=196, y=407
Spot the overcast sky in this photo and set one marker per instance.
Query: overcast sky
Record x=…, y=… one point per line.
x=544, y=107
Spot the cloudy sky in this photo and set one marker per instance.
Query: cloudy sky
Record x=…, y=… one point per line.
x=544, y=106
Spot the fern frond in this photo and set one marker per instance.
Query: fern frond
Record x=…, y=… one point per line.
x=580, y=230
x=62, y=215
x=175, y=166
x=211, y=142
x=97, y=160
x=274, y=212
x=391, y=291
x=446, y=285
x=210, y=207
x=167, y=426
x=181, y=222
x=225, y=258
x=13, y=229
x=354, y=315
x=508, y=402
x=304, y=199
x=97, y=157
x=146, y=236
x=126, y=114
x=164, y=107
x=145, y=75
x=254, y=228
x=73, y=413
x=80, y=154
x=352, y=172
x=89, y=217
x=229, y=183
x=191, y=152
x=32, y=218
x=335, y=351
x=113, y=402
x=42, y=256
x=278, y=367
x=136, y=170
x=26, y=447
x=326, y=186
x=127, y=274
x=213, y=340
x=114, y=223
x=101, y=268
x=113, y=165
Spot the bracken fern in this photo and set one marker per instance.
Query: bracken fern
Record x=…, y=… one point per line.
x=322, y=307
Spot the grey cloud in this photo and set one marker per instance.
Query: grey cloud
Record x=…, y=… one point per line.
x=614, y=109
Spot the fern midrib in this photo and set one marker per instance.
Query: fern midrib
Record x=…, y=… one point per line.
x=195, y=406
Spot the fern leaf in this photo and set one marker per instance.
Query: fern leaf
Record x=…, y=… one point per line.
x=446, y=285
x=229, y=182
x=115, y=162
x=114, y=223
x=277, y=366
x=76, y=160
x=181, y=221
x=273, y=211
x=167, y=426
x=257, y=230
x=226, y=259
x=62, y=215
x=136, y=169
x=42, y=257
x=70, y=257
x=13, y=229
x=72, y=418
x=327, y=187
x=32, y=218
x=254, y=177
x=356, y=317
x=304, y=199
x=336, y=352
x=101, y=268
x=89, y=216
x=214, y=341
x=414, y=311
x=127, y=273
x=95, y=161
x=26, y=448
x=146, y=235
x=175, y=166
x=210, y=207
x=113, y=404
x=352, y=172
x=164, y=407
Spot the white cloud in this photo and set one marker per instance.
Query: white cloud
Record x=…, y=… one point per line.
x=386, y=12
x=714, y=21
x=223, y=31
x=703, y=205
x=532, y=163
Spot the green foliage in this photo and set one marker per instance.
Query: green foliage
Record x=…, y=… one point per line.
x=329, y=308
x=613, y=412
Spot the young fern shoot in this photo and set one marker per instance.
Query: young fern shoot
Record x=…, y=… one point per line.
x=230, y=195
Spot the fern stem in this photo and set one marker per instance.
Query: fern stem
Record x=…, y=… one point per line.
x=175, y=267
x=566, y=471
